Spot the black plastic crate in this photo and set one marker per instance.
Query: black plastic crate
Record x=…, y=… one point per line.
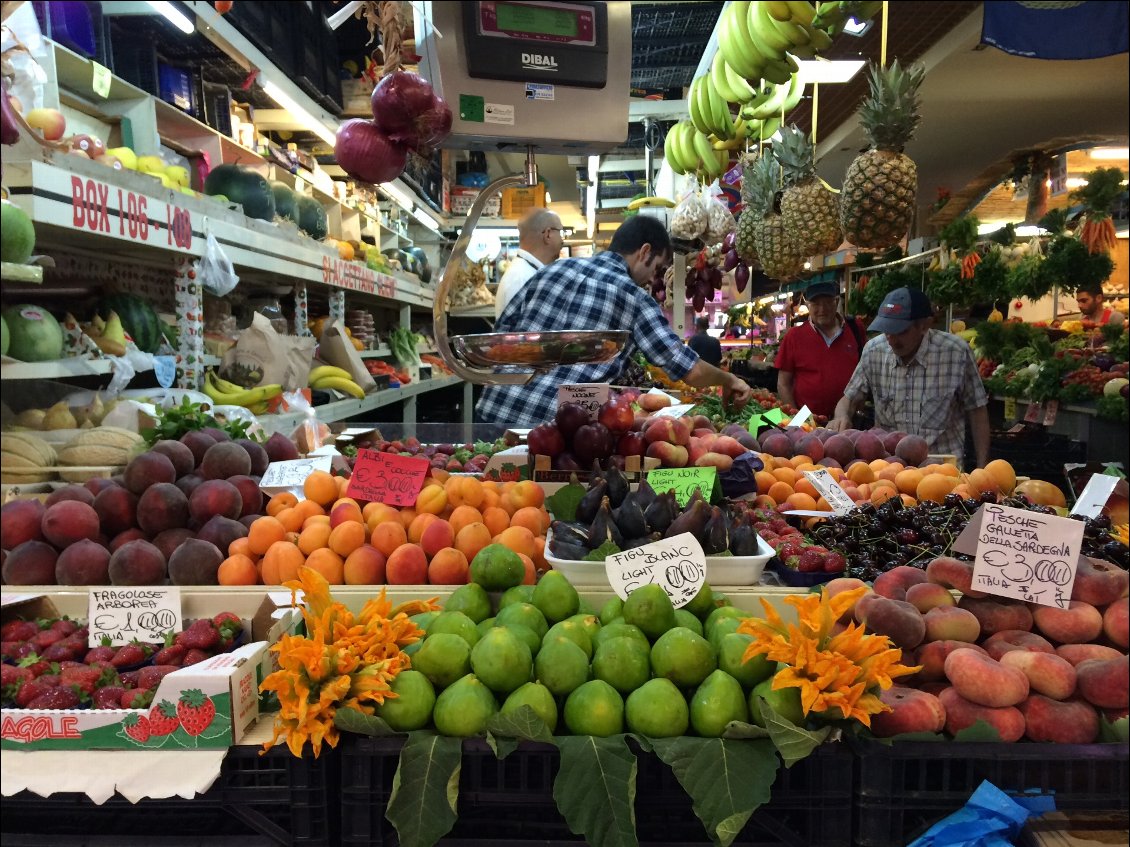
x=511, y=801
x=904, y=788
x=282, y=798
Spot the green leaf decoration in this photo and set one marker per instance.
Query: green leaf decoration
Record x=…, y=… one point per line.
x=505, y=731
x=792, y=742
x=563, y=504
x=726, y=780
x=352, y=720
x=739, y=729
x=595, y=789
x=912, y=736
x=425, y=789
x=1116, y=732
x=602, y=552
x=979, y=731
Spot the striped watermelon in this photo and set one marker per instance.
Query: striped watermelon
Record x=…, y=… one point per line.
x=138, y=318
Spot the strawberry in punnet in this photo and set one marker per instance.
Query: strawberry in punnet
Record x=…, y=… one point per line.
x=173, y=654
x=104, y=653
x=200, y=635
x=10, y=650
x=811, y=561
x=11, y=678
x=61, y=697
x=163, y=718
x=29, y=691
x=37, y=665
x=50, y=679
x=82, y=678
x=136, y=698
x=18, y=631
x=791, y=562
x=45, y=638
x=834, y=563
x=137, y=728
x=19, y=651
x=195, y=710
x=129, y=679
x=150, y=677
x=230, y=628
x=64, y=652
x=131, y=654
x=65, y=626
x=195, y=657
x=790, y=549
x=108, y=697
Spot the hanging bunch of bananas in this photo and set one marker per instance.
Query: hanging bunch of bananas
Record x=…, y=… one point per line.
x=831, y=17
x=224, y=393
x=336, y=379
x=759, y=39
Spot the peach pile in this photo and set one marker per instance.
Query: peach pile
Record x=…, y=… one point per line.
x=677, y=445
x=358, y=543
x=1029, y=671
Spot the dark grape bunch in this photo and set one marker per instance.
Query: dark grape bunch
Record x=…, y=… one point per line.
x=1098, y=544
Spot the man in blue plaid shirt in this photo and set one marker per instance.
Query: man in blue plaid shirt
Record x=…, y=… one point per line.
x=606, y=292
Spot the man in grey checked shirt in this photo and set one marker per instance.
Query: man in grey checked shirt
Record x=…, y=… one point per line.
x=606, y=292
x=922, y=381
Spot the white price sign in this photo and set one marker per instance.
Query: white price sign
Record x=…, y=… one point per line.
x=1094, y=496
x=591, y=395
x=677, y=564
x=127, y=613
x=1027, y=555
x=830, y=490
x=676, y=411
x=290, y=476
x=800, y=417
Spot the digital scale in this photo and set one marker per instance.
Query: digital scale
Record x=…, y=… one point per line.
x=552, y=76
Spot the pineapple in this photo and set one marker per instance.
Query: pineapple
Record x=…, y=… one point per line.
x=810, y=210
x=879, y=190
x=778, y=251
x=747, y=220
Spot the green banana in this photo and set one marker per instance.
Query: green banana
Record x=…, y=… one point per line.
x=768, y=40
x=695, y=104
x=778, y=10
x=795, y=95
x=721, y=81
x=801, y=11
x=735, y=44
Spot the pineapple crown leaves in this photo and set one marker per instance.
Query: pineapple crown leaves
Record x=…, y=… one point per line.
x=890, y=114
x=796, y=155
x=760, y=182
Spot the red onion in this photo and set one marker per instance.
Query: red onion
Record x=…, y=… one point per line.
x=366, y=153
x=407, y=109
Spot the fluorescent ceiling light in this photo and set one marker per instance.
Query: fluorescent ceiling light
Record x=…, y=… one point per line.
x=305, y=118
x=406, y=201
x=427, y=220
x=1022, y=231
x=824, y=72
x=501, y=232
x=1109, y=153
x=857, y=28
x=174, y=16
x=1074, y=182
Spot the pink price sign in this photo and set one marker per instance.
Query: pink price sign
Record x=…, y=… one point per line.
x=387, y=478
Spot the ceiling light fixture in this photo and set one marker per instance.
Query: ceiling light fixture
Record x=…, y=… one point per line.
x=174, y=16
x=827, y=72
x=1109, y=152
x=426, y=219
x=399, y=196
x=857, y=28
x=304, y=117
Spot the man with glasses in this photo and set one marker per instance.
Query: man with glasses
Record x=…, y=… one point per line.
x=606, y=292
x=922, y=381
x=540, y=238
x=816, y=359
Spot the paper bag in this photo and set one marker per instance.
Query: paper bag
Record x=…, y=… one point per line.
x=335, y=348
x=263, y=357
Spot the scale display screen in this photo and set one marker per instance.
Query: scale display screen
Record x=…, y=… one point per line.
x=559, y=23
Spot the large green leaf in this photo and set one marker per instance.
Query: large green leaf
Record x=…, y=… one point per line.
x=563, y=503
x=425, y=789
x=979, y=730
x=792, y=742
x=505, y=731
x=352, y=720
x=595, y=789
x=739, y=729
x=726, y=780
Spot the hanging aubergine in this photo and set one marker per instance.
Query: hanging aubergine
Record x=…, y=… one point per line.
x=693, y=520
x=629, y=519
x=716, y=538
x=604, y=528
x=590, y=503
x=661, y=512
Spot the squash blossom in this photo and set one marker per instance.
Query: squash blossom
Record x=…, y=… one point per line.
x=343, y=661
x=843, y=672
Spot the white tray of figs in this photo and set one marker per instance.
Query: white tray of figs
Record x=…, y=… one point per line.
x=720, y=570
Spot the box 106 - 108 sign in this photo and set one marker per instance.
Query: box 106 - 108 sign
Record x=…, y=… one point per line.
x=94, y=205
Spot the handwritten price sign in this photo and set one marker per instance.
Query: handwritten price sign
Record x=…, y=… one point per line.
x=124, y=614
x=684, y=481
x=676, y=564
x=591, y=395
x=387, y=478
x=830, y=490
x=1026, y=555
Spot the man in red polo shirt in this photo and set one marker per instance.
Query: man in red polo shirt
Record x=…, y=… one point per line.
x=816, y=359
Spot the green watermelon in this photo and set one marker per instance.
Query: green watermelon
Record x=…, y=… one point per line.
x=17, y=235
x=312, y=218
x=285, y=201
x=138, y=318
x=33, y=334
x=244, y=186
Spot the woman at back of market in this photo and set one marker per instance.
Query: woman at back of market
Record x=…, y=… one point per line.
x=606, y=292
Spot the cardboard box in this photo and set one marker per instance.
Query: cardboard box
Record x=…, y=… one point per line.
x=223, y=695
x=462, y=198
x=511, y=465
x=517, y=201
x=541, y=472
x=356, y=97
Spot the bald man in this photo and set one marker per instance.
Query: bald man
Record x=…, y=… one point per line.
x=540, y=237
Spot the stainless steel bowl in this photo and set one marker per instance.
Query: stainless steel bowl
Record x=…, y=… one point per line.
x=539, y=349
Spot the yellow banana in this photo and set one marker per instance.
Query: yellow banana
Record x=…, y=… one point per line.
x=346, y=386
x=640, y=202
x=259, y=408
x=326, y=370
x=706, y=155
x=801, y=11
x=243, y=397
x=224, y=386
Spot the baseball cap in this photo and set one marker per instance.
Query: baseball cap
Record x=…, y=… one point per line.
x=822, y=289
x=900, y=308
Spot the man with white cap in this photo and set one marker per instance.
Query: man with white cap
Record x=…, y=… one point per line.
x=922, y=381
